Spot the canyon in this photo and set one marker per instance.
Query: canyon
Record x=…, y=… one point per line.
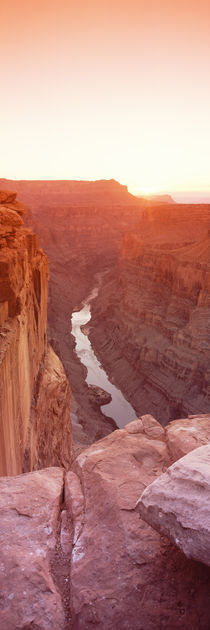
x=80, y=226
x=80, y=545
x=149, y=322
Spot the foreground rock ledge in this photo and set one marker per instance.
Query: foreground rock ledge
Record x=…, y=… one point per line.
x=29, y=509
x=123, y=573
x=83, y=558
x=178, y=504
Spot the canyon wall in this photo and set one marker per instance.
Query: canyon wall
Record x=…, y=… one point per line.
x=80, y=225
x=27, y=368
x=150, y=321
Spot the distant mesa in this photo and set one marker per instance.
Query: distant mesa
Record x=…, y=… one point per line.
x=100, y=192
x=160, y=198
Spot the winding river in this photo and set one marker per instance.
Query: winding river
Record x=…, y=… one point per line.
x=119, y=408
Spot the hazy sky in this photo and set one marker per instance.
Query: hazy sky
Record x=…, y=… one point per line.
x=95, y=89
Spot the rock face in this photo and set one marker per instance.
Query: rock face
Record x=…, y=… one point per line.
x=187, y=434
x=25, y=359
x=49, y=442
x=150, y=320
x=80, y=226
x=88, y=558
x=29, y=512
x=123, y=573
x=178, y=504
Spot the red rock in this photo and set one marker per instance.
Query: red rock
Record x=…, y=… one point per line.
x=123, y=574
x=184, y=435
x=7, y=196
x=178, y=504
x=9, y=217
x=80, y=226
x=29, y=511
x=111, y=568
x=38, y=434
x=50, y=438
x=149, y=323
x=19, y=207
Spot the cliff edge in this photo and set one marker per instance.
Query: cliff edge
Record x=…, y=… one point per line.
x=35, y=427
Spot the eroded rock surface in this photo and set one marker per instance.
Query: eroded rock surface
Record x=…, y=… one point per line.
x=33, y=390
x=29, y=513
x=187, y=434
x=50, y=437
x=149, y=323
x=88, y=558
x=123, y=573
x=178, y=504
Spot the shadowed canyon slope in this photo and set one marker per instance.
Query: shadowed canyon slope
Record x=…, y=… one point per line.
x=150, y=321
x=34, y=391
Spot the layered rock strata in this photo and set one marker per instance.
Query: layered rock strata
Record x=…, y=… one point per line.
x=80, y=226
x=150, y=320
x=178, y=504
x=93, y=560
x=26, y=362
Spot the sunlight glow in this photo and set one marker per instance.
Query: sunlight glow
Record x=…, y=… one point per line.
x=91, y=92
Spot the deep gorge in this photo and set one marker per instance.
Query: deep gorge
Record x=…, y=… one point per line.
x=81, y=544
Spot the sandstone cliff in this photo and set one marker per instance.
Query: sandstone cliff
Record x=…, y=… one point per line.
x=28, y=369
x=76, y=553
x=150, y=322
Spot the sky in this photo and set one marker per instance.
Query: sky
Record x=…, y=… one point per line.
x=93, y=89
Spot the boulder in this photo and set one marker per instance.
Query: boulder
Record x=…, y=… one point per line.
x=184, y=435
x=98, y=396
x=178, y=504
x=76, y=554
x=29, y=511
x=123, y=573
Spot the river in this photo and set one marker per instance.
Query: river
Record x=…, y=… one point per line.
x=119, y=408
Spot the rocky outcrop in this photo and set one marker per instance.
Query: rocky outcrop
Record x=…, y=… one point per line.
x=49, y=437
x=185, y=435
x=178, y=504
x=122, y=572
x=150, y=320
x=26, y=362
x=29, y=515
x=93, y=561
x=87, y=556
